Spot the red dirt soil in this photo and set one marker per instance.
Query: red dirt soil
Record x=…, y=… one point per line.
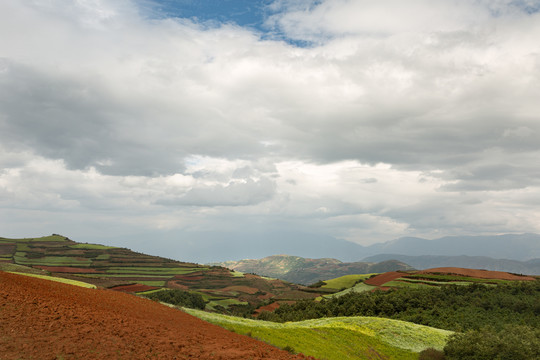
x=42, y=319
x=384, y=278
x=482, y=274
x=271, y=307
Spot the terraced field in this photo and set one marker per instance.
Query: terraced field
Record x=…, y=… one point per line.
x=338, y=338
x=127, y=271
x=417, y=279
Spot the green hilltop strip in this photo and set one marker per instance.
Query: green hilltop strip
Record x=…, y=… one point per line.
x=338, y=338
x=92, y=247
x=57, y=279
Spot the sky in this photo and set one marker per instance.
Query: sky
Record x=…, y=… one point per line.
x=156, y=122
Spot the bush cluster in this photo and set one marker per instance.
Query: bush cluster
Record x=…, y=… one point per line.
x=179, y=298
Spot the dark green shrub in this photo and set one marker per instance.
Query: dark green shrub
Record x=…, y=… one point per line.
x=431, y=354
x=512, y=342
x=179, y=297
x=289, y=349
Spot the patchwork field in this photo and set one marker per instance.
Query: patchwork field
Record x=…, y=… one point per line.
x=124, y=270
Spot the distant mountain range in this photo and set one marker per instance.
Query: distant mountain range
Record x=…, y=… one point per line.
x=516, y=247
x=305, y=271
x=207, y=247
x=530, y=267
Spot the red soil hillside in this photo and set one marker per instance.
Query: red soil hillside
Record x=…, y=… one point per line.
x=42, y=319
x=384, y=278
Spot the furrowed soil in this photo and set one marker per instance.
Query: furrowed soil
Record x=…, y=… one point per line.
x=384, y=278
x=42, y=319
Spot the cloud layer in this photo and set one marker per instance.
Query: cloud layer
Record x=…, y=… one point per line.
x=399, y=118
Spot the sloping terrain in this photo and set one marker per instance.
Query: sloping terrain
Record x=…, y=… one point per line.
x=530, y=267
x=443, y=276
x=124, y=270
x=339, y=337
x=306, y=271
x=429, y=278
x=41, y=319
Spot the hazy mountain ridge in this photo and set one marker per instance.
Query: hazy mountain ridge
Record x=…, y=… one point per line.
x=509, y=246
x=530, y=267
x=210, y=247
x=301, y=270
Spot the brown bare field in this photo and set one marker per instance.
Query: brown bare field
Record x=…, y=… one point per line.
x=384, y=278
x=174, y=285
x=481, y=274
x=7, y=248
x=271, y=307
x=42, y=319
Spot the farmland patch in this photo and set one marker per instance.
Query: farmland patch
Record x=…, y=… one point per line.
x=57, y=279
x=134, y=288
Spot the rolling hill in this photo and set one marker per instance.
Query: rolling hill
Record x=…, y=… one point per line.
x=340, y=337
x=305, y=271
x=127, y=271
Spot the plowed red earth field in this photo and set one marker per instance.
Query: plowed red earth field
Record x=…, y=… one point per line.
x=384, y=278
x=42, y=319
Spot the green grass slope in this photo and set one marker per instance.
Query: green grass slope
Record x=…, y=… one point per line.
x=338, y=338
x=57, y=279
x=344, y=282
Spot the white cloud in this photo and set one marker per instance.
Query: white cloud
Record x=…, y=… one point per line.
x=417, y=118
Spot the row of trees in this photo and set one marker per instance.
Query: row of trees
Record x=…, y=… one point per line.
x=491, y=322
x=452, y=307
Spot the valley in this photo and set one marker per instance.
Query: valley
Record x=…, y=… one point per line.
x=397, y=314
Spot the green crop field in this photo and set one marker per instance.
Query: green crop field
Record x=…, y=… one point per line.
x=224, y=302
x=453, y=278
x=57, y=279
x=133, y=277
x=20, y=257
x=398, y=284
x=360, y=287
x=338, y=338
x=152, y=282
x=9, y=267
x=346, y=281
x=152, y=270
x=91, y=247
